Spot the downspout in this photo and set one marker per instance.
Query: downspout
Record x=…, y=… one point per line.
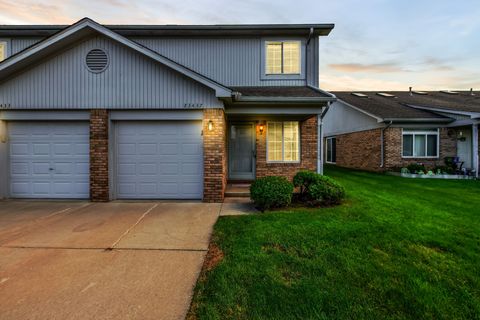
x=320, y=138
x=310, y=34
x=382, y=147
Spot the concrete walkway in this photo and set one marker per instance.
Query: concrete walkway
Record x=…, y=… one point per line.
x=80, y=260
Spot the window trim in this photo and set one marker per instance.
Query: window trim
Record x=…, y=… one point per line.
x=8, y=46
x=326, y=150
x=282, y=76
x=425, y=133
x=283, y=141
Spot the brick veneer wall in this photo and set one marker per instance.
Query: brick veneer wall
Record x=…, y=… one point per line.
x=362, y=150
x=308, y=156
x=214, y=155
x=393, y=150
x=359, y=150
x=99, y=155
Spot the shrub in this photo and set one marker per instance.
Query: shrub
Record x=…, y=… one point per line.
x=404, y=170
x=416, y=167
x=316, y=189
x=327, y=191
x=271, y=192
x=303, y=180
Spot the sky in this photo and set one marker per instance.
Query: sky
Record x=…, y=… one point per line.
x=376, y=44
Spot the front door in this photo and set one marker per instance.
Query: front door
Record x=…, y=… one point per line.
x=241, y=151
x=464, y=148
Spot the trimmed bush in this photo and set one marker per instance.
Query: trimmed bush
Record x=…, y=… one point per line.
x=327, y=191
x=303, y=180
x=271, y=192
x=316, y=189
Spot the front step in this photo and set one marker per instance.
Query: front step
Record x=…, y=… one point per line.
x=237, y=190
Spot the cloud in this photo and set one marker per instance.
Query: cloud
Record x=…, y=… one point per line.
x=30, y=12
x=435, y=64
x=374, y=68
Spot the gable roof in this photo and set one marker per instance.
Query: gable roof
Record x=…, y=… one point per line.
x=84, y=28
x=388, y=108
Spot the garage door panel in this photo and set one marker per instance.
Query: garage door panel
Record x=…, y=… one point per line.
x=49, y=159
x=40, y=168
x=126, y=148
x=156, y=158
x=81, y=149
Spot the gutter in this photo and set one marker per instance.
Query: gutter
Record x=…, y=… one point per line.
x=417, y=120
x=252, y=99
x=382, y=142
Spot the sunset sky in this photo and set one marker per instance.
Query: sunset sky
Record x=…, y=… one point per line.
x=376, y=44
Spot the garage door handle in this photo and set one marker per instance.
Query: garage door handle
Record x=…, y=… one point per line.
x=50, y=169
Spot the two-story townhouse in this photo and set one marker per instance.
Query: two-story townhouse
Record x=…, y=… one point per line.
x=156, y=112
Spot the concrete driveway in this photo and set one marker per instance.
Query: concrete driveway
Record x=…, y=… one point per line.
x=117, y=260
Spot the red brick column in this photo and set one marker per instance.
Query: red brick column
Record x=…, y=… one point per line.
x=99, y=190
x=214, y=155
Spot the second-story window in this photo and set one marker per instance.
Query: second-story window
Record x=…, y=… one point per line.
x=282, y=57
x=3, y=50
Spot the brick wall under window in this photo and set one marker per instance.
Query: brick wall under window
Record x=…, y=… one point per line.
x=308, y=154
x=99, y=190
x=393, y=150
x=362, y=150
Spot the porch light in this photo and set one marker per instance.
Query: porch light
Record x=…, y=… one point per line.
x=261, y=128
x=210, y=125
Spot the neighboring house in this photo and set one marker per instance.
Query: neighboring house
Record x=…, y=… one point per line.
x=389, y=130
x=156, y=112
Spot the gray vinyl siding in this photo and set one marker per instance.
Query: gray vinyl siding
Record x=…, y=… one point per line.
x=230, y=61
x=313, y=64
x=341, y=119
x=19, y=44
x=131, y=81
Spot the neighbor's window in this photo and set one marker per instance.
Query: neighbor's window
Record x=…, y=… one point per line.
x=282, y=57
x=331, y=150
x=3, y=50
x=420, y=143
x=283, y=141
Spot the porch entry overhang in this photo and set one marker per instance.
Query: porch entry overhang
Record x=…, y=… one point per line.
x=244, y=121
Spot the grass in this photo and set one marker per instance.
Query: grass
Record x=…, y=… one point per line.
x=396, y=249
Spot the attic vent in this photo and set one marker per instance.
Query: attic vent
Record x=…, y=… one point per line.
x=360, y=95
x=97, y=60
x=386, y=95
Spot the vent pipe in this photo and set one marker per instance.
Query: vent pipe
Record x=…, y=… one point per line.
x=471, y=91
x=410, y=89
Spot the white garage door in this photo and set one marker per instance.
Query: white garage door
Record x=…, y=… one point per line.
x=49, y=159
x=159, y=160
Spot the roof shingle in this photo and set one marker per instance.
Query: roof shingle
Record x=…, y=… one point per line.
x=385, y=107
x=281, y=91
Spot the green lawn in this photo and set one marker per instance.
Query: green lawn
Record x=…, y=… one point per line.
x=396, y=249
